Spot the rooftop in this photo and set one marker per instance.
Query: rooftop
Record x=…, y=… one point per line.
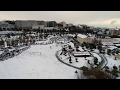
x=108, y=43
x=82, y=36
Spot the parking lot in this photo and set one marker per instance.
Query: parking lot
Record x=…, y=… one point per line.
x=9, y=52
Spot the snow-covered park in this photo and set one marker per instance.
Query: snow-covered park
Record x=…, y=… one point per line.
x=37, y=62
x=40, y=61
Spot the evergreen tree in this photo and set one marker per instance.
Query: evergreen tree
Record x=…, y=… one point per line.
x=108, y=51
x=100, y=48
x=95, y=60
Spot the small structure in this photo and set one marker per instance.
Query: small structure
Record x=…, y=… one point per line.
x=42, y=42
x=107, y=44
x=112, y=47
x=81, y=54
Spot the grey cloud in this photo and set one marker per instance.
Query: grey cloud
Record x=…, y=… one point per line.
x=82, y=17
x=113, y=22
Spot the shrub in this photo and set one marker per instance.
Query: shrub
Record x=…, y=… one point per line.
x=115, y=67
x=96, y=73
x=95, y=60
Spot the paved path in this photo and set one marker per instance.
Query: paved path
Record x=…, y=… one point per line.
x=57, y=56
x=101, y=65
x=103, y=62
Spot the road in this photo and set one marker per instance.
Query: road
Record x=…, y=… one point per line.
x=57, y=56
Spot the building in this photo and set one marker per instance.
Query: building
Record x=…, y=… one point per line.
x=64, y=24
x=60, y=26
x=50, y=24
x=69, y=25
x=115, y=32
x=38, y=27
x=25, y=24
x=83, y=38
x=83, y=26
x=6, y=26
x=91, y=27
x=41, y=23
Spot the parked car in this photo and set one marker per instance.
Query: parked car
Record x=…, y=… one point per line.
x=2, y=54
x=21, y=48
x=9, y=51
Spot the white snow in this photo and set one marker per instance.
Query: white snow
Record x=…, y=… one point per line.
x=81, y=60
x=112, y=61
x=118, y=40
x=71, y=35
x=96, y=55
x=96, y=50
x=82, y=36
x=117, y=44
x=38, y=62
x=80, y=48
x=107, y=43
x=112, y=47
x=71, y=44
x=1, y=52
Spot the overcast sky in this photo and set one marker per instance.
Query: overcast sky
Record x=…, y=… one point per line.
x=94, y=18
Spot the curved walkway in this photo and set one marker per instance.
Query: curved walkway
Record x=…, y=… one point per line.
x=103, y=62
x=64, y=62
x=101, y=65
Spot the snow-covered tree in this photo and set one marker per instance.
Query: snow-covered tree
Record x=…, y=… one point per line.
x=95, y=60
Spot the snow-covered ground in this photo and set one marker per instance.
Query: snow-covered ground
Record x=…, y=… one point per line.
x=97, y=56
x=38, y=62
x=81, y=60
x=112, y=61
